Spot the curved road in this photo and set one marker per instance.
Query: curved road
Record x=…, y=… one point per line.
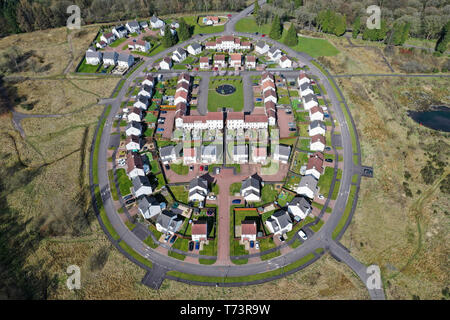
x=321, y=239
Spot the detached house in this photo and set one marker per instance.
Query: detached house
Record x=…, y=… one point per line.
x=317, y=143
x=300, y=207
x=167, y=154
x=302, y=78
x=315, y=165
x=261, y=47
x=259, y=154
x=250, y=62
x=179, y=55
x=309, y=101
x=251, y=189
x=317, y=127
x=135, y=165
x=282, y=153
x=133, y=143
x=198, y=189
x=209, y=153
x=143, y=25
x=307, y=186
x=240, y=153
x=219, y=61
x=285, y=62
x=132, y=26
x=204, y=63
x=108, y=37
x=156, y=23
x=93, y=57
x=141, y=46
x=165, y=64
x=110, y=58
x=133, y=128
x=248, y=230
x=168, y=222
x=135, y=115
x=275, y=54
x=235, y=60
x=149, y=207
x=279, y=223
x=194, y=48
x=306, y=89
x=125, y=60
x=199, y=231
x=141, y=186
x=120, y=31
x=316, y=113
x=101, y=44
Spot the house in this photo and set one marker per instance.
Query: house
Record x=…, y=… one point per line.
x=174, y=25
x=198, y=189
x=228, y=43
x=317, y=127
x=142, y=46
x=181, y=96
x=184, y=77
x=240, y=153
x=141, y=102
x=179, y=55
x=141, y=186
x=261, y=47
x=156, y=23
x=194, y=48
x=250, y=62
x=219, y=61
x=168, y=222
x=209, y=153
x=133, y=128
x=135, y=165
x=143, y=24
x=248, y=230
x=165, y=64
x=310, y=101
x=251, y=189
x=315, y=165
x=271, y=112
x=162, y=31
x=302, y=78
x=133, y=143
x=285, y=62
x=149, y=207
x=135, y=115
x=167, y=154
x=259, y=154
x=255, y=121
x=275, y=54
x=204, y=63
x=270, y=95
x=210, y=20
x=125, y=60
x=282, y=153
x=146, y=91
x=133, y=26
x=199, y=230
x=93, y=57
x=101, y=44
x=235, y=120
x=182, y=86
x=235, y=60
x=316, y=113
x=266, y=76
x=317, y=143
x=268, y=85
x=307, y=186
x=108, y=37
x=149, y=80
x=110, y=58
x=120, y=31
x=279, y=223
x=306, y=89
x=299, y=206
x=189, y=155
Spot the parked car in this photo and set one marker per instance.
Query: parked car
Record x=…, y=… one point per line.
x=167, y=167
x=252, y=244
x=128, y=197
x=191, y=168
x=160, y=129
x=302, y=235
x=191, y=245
x=173, y=239
x=329, y=160
x=197, y=245
x=130, y=201
x=201, y=168
x=163, y=112
x=237, y=201
x=328, y=148
x=263, y=35
x=217, y=170
x=257, y=245
x=292, y=129
x=281, y=238
x=321, y=196
x=206, y=168
x=211, y=197
x=167, y=238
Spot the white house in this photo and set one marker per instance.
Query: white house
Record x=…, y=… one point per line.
x=275, y=54
x=198, y=189
x=209, y=153
x=110, y=58
x=204, y=63
x=184, y=77
x=255, y=121
x=156, y=23
x=174, y=25
x=125, y=60
x=141, y=186
x=141, y=102
x=194, y=48
x=149, y=207
x=248, y=230
x=307, y=186
x=189, y=155
x=210, y=20
x=251, y=189
x=235, y=60
x=310, y=101
x=133, y=143
x=219, y=61
x=315, y=165
x=181, y=96
x=135, y=165
x=317, y=127
x=146, y=91
x=179, y=55
x=240, y=153
x=271, y=112
x=108, y=37
x=168, y=222
x=279, y=223
x=132, y=26
x=299, y=206
x=316, y=113
x=270, y=95
x=306, y=89
x=143, y=25
x=165, y=64
x=266, y=76
x=167, y=154
x=261, y=47
x=282, y=153
x=101, y=44
x=199, y=230
x=235, y=120
x=162, y=31
x=133, y=128
x=302, y=78
x=135, y=115
x=93, y=57
x=250, y=62
x=268, y=85
x=285, y=62
x=317, y=143
x=142, y=46
x=120, y=31
x=259, y=154
x=149, y=80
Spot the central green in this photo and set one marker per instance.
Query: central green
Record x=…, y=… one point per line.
x=217, y=101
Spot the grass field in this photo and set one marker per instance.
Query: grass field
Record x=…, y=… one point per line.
x=234, y=101
x=192, y=20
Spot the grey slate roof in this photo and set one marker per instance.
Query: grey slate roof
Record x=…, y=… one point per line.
x=134, y=124
x=260, y=44
x=317, y=123
x=168, y=220
x=133, y=24
x=283, y=218
x=240, y=149
x=143, y=99
x=154, y=19
x=308, y=181
x=93, y=54
x=121, y=29
x=198, y=182
x=306, y=86
x=273, y=50
x=139, y=182
x=124, y=57
x=210, y=150
x=283, y=150
x=311, y=97
x=250, y=182
x=110, y=55
x=300, y=202
x=196, y=46
x=166, y=151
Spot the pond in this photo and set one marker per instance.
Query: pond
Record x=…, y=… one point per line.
x=437, y=118
x=225, y=89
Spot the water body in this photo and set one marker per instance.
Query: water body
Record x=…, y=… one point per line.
x=437, y=118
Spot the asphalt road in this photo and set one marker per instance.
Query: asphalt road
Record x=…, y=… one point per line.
x=321, y=239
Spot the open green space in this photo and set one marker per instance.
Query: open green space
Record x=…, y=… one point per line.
x=233, y=101
x=235, y=188
x=346, y=214
x=124, y=182
x=179, y=168
x=134, y=254
x=87, y=68
x=180, y=193
x=118, y=42
x=192, y=20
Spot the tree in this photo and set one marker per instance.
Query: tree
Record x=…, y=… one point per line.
x=184, y=31
x=298, y=3
x=340, y=25
x=356, y=27
x=256, y=9
x=441, y=44
x=275, y=31
x=167, y=39
x=291, y=37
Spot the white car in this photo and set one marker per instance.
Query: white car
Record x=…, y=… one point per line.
x=257, y=245
x=211, y=197
x=321, y=196
x=302, y=235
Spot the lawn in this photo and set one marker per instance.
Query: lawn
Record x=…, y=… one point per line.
x=300, y=159
x=87, y=68
x=315, y=47
x=250, y=25
x=303, y=144
x=325, y=181
x=192, y=20
x=118, y=42
x=180, y=193
x=268, y=194
x=180, y=169
x=234, y=101
x=124, y=182
x=235, y=188
x=320, y=206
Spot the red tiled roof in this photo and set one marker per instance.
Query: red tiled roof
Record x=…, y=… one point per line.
x=269, y=93
x=183, y=85
x=246, y=44
x=189, y=152
x=235, y=116
x=108, y=35
x=248, y=228
x=192, y=119
x=181, y=93
x=256, y=118
x=284, y=58
x=236, y=56
x=269, y=105
x=318, y=155
x=134, y=160
x=167, y=59
x=268, y=84
x=184, y=76
x=204, y=59
x=318, y=137
x=210, y=44
x=267, y=75
x=140, y=42
x=214, y=116
x=315, y=163
x=199, y=228
x=219, y=57
x=251, y=58
x=316, y=109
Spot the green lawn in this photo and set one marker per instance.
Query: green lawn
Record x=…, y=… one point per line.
x=118, y=42
x=124, y=182
x=315, y=47
x=303, y=144
x=180, y=169
x=346, y=214
x=268, y=194
x=249, y=25
x=320, y=206
x=192, y=20
x=325, y=181
x=234, y=100
x=179, y=193
x=134, y=254
x=235, y=188
x=87, y=68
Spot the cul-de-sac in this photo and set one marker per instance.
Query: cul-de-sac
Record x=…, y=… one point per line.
x=255, y=150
